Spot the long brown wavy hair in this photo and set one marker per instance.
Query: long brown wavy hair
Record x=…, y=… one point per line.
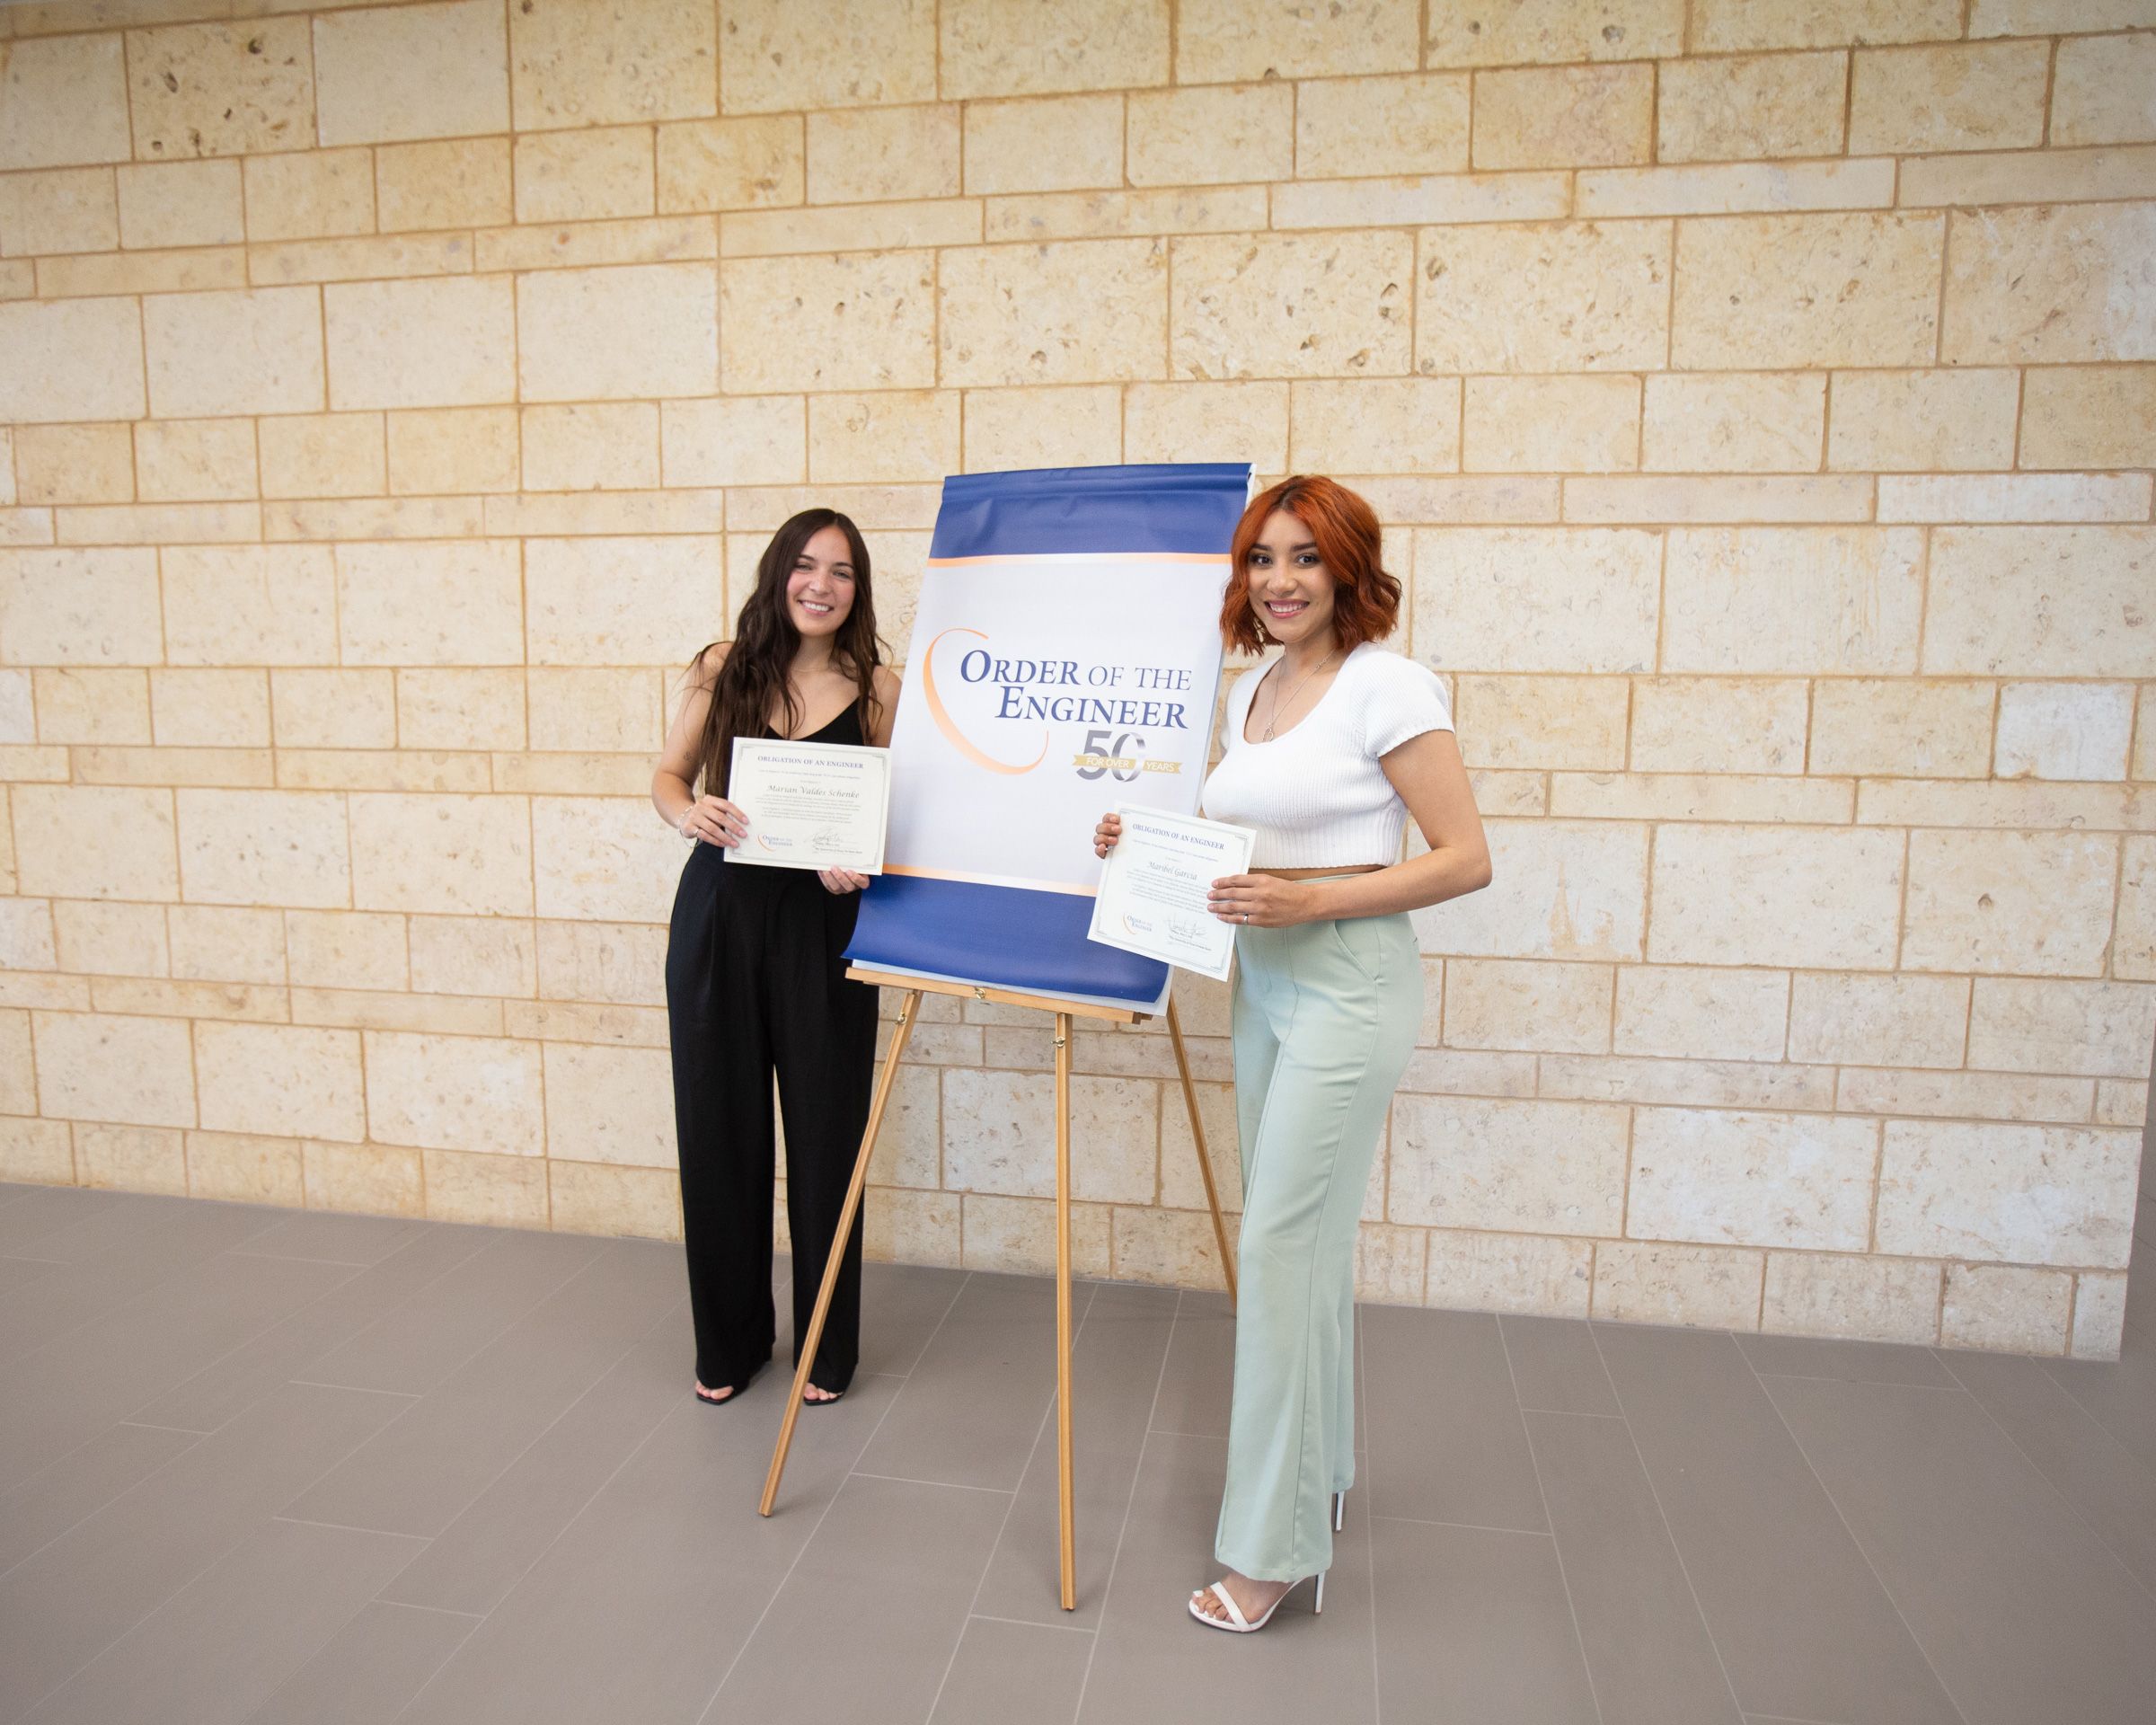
x=755, y=682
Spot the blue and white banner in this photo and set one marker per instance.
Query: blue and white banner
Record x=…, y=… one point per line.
x=1065, y=658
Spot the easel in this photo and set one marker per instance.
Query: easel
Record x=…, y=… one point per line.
x=1064, y=1010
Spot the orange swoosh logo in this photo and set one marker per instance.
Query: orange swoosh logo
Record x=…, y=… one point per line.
x=949, y=726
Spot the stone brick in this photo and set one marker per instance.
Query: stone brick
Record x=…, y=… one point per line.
x=1715, y=1286
x=1759, y=105
x=1528, y=1005
x=2043, y=17
x=897, y=434
x=744, y=163
x=2134, y=938
x=1727, y=1178
x=210, y=709
x=1916, y=421
x=601, y=62
x=257, y=351
x=2101, y=1029
x=595, y=709
x=1721, y=25
x=1564, y=117
x=1736, y=188
x=61, y=209
x=456, y=183
x=2005, y=1310
x=364, y=1178
x=1541, y=425
x=219, y=89
x=78, y=608
x=184, y=203
x=324, y=454
x=1508, y=1272
x=453, y=449
x=26, y=937
x=1469, y=32
x=2089, y=416
x=1966, y=1095
x=1536, y=599
x=2059, y=283
x=416, y=602
x=421, y=343
x=460, y=709
x=610, y=334
x=1930, y=728
x=283, y=847
x=1733, y=422
x=1171, y=422
x=74, y=463
x=131, y=1159
x=195, y=460
x=2030, y=498
x=989, y=49
x=2040, y=602
x=2023, y=1194
x=455, y=1092
x=250, y=605
x=1416, y=124
x=1973, y=96
x=1899, y=1020
x=71, y=359
x=92, y=706
x=334, y=709
x=111, y=1067
x=1540, y=722
x=1869, y=1299
x=863, y=155
x=63, y=101
x=1843, y=289
x=469, y=854
x=605, y=601
x=782, y=54
x=613, y=446
x=1378, y=426
x=246, y=1168
x=2100, y=1316
x=1449, y=197
x=2065, y=730
x=1701, y=1015
x=1576, y=890
x=1793, y=600
x=584, y=175
x=1082, y=312
x=870, y=325
x=346, y=950
x=412, y=72
x=2029, y=904
x=1777, y=895
x=1538, y=1167
x=1717, y=725
x=2030, y=176
x=1576, y=296
x=1211, y=137
x=110, y=940
x=1222, y=40
x=2100, y=91
x=1075, y=426
x=1002, y=144
x=605, y=858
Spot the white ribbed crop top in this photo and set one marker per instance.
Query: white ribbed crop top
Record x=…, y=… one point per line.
x=1315, y=793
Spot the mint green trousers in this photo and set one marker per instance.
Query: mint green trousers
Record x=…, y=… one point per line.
x=1325, y=1016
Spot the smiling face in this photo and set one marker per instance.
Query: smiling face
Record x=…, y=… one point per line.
x=819, y=591
x=1291, y=590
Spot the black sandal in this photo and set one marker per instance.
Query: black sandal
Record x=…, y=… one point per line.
x=710, y=1400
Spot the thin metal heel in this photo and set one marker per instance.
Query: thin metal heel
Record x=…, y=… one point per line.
x=1318, y=1607
x=1339, y=1510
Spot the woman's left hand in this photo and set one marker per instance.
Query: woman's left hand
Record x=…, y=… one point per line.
x=842, y=881
x=1261, y=901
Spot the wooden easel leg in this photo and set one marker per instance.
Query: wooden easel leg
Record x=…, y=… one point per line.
x=1067, y=1517
x=1204, y=1160
x=904, y=1028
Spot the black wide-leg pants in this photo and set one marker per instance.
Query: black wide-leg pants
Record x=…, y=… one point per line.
x=755, y=982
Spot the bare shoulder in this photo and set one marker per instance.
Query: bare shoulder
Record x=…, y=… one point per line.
x=885, y=681
x=706, y=671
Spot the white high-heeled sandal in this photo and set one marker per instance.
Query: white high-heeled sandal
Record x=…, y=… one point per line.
x=1237, y=1623
x=1339, y=1510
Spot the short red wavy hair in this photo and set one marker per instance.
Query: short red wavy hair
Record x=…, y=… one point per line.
x=1365, y=600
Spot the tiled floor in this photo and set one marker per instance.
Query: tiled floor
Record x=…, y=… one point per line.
x=257, y=1465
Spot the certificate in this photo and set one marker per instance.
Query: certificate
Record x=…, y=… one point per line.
x=810, y=805
x=1152, y=892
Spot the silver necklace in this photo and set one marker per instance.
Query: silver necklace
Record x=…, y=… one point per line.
x=1280, y=705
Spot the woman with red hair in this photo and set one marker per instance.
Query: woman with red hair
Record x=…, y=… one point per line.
x=1328, y=752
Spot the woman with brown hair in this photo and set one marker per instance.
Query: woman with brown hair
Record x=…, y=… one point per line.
x=1328, y=752
x=755, y=977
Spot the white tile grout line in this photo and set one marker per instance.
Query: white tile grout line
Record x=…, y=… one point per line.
x=1377, y=1674
x=1467, y=1526
x=1108, y=1582
x=1021, y=1622
x=1924, y=1652
x=1668, y=1532
x=1580, y=1640
x=810, y=1538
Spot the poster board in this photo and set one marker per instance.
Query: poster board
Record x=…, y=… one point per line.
x=1065, y=656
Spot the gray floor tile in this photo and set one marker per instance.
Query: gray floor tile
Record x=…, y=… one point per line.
x=1116, y=1368
x=289, y=1350
x=223, y=1644
x=2026, y=1616
x=1473, y=1624
x=902, y=1305
x=2121, y=1395
x=1200, y=1379
x=66, y=1603
x=68, y=1391
x=2116, y=1495
x=18, y=1273
x=1802, y=1623
x=1853, y=1362
x=343, y=1239
x=423, y=1471
x=1446, y=1438
x=972, y=1405
x=484, y=1552
x=424, y=1341
x=37, y=1221
x=1555, y=1366
x=1006, y=1671
x=1154, y=1662
x=371, y=1668
x=1647, y=1651
x=80, y=1483
x=898, y=1565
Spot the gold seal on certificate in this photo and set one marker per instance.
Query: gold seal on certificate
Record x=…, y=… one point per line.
x=810, y=805
x=1152, y=892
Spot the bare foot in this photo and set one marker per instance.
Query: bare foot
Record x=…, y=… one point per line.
x=713, y=1396
x=811, y=1392
x=1253, y=1598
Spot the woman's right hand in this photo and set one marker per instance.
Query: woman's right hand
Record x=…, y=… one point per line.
x=1106, y=834
x=715, y=821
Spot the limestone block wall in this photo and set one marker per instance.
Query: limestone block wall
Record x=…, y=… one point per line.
x=1760, y=396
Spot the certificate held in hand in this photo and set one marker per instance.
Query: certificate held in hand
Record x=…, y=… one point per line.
x=810, y=805
x=1152, y=892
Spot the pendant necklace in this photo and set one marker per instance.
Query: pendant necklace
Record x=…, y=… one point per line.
x=1280, y=705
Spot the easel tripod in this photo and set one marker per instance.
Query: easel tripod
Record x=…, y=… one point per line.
x=1065, y=1012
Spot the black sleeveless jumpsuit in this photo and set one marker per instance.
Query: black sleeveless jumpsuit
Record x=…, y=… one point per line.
x=755, y=981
